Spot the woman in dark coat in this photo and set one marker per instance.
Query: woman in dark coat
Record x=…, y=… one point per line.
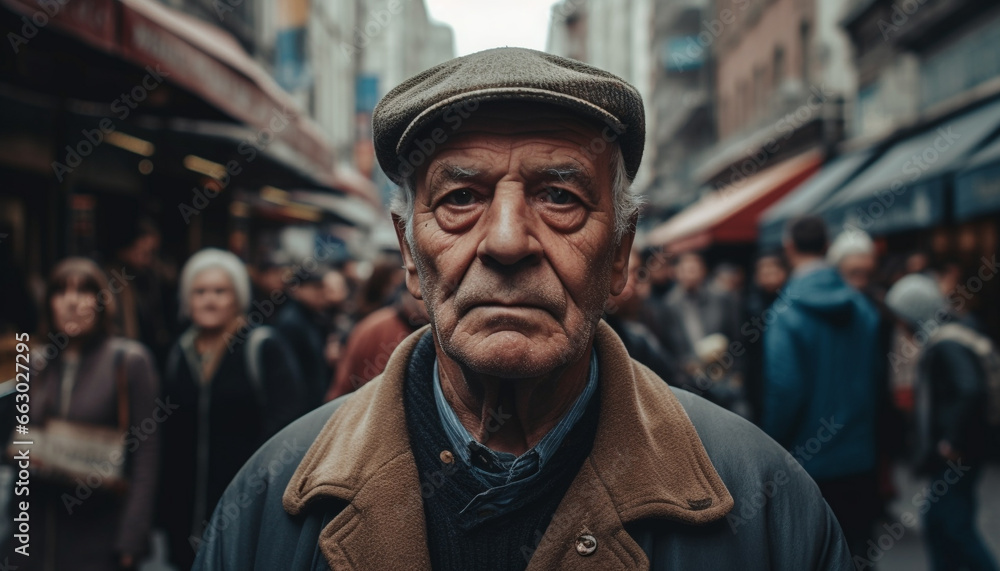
x=234, y=386
x=86, y=525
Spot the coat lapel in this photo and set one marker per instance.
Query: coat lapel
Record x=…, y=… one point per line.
x=647, y=462
x=362, y=456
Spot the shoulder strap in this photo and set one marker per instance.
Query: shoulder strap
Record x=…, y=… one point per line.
x=253, y=362
x=972, y=340
x=121, y=382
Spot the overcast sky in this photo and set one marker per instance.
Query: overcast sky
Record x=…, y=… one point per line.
x=484, y=24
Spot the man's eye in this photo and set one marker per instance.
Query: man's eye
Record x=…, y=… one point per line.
x=460, y=197
x=557, y=195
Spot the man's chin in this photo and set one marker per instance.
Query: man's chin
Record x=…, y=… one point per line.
x=508, y=354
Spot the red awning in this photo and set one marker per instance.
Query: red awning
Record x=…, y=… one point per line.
x=204, y=60
x=730, y=215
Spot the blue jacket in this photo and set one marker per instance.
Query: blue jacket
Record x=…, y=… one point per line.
x=821, y=355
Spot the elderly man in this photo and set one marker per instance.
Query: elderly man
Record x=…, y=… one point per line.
x=514, y=432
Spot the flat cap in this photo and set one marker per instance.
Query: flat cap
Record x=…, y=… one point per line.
x=504, y=74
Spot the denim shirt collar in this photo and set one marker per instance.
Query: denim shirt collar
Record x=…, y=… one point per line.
x=500, y=472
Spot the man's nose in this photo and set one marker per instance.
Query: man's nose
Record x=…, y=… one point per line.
x=509, y=224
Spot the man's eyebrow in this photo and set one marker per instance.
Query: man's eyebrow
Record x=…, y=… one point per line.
x=570, y=174
x=452, y=173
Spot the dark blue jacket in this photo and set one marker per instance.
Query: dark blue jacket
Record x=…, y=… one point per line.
x=672, y=482
x=821, y=362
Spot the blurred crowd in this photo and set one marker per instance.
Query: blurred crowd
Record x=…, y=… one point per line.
x=855, y=364
x=217, y=356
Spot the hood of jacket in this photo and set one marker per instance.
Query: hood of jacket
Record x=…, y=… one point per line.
x=823, y=293
x=647, y=461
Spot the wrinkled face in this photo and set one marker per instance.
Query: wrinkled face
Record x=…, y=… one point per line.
x=513, y=247
x=213, y=299
x=857, y=270
x=74, y=310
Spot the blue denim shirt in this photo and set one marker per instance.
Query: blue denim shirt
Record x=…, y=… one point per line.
x=503, y=474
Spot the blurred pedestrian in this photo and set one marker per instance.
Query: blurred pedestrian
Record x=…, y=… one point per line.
x=729, y=278
x=703, y=323
x=661, y=272
x=622, y=314
x=701, y=310
x=853, y=254
x=770, y=275
x=95, y=380
x=373, y=339
x=268, y=285
x=377, y=291
x=821, y=381
x=952, y=364
x=145, y=303
x=656, y=315
x=233, y=385
x=336, y=294
x=303, y=323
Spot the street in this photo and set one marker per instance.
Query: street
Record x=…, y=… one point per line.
x=908, y=553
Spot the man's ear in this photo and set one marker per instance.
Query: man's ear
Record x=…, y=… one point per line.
x=619, y=266
x=412, y=279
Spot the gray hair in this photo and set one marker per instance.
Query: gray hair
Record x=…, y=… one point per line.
x=214, y=258
x=626, y=204
x=848, y=243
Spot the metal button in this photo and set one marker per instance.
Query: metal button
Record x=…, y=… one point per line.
x=586, y=544
x=447, y=457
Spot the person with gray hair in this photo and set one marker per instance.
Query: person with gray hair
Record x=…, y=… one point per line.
x=950, y=417
x=515, y=431
x=232, y=386
x=853, y=254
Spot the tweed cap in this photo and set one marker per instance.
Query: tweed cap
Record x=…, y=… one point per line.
x=452, y=90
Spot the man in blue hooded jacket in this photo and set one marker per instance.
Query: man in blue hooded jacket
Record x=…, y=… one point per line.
x=821, y=381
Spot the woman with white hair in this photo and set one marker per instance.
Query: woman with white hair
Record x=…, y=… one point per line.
x=230, y=387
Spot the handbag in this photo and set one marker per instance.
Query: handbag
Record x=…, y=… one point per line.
x=71, y=453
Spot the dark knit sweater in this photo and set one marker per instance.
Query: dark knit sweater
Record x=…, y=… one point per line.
x=481, y=541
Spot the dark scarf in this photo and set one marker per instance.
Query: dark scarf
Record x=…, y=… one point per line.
x=479, y=541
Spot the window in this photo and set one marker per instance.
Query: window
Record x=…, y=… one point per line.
x=804, y=36
x=778, y=67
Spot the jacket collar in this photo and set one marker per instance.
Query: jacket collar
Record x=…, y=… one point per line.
x=647, y=462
